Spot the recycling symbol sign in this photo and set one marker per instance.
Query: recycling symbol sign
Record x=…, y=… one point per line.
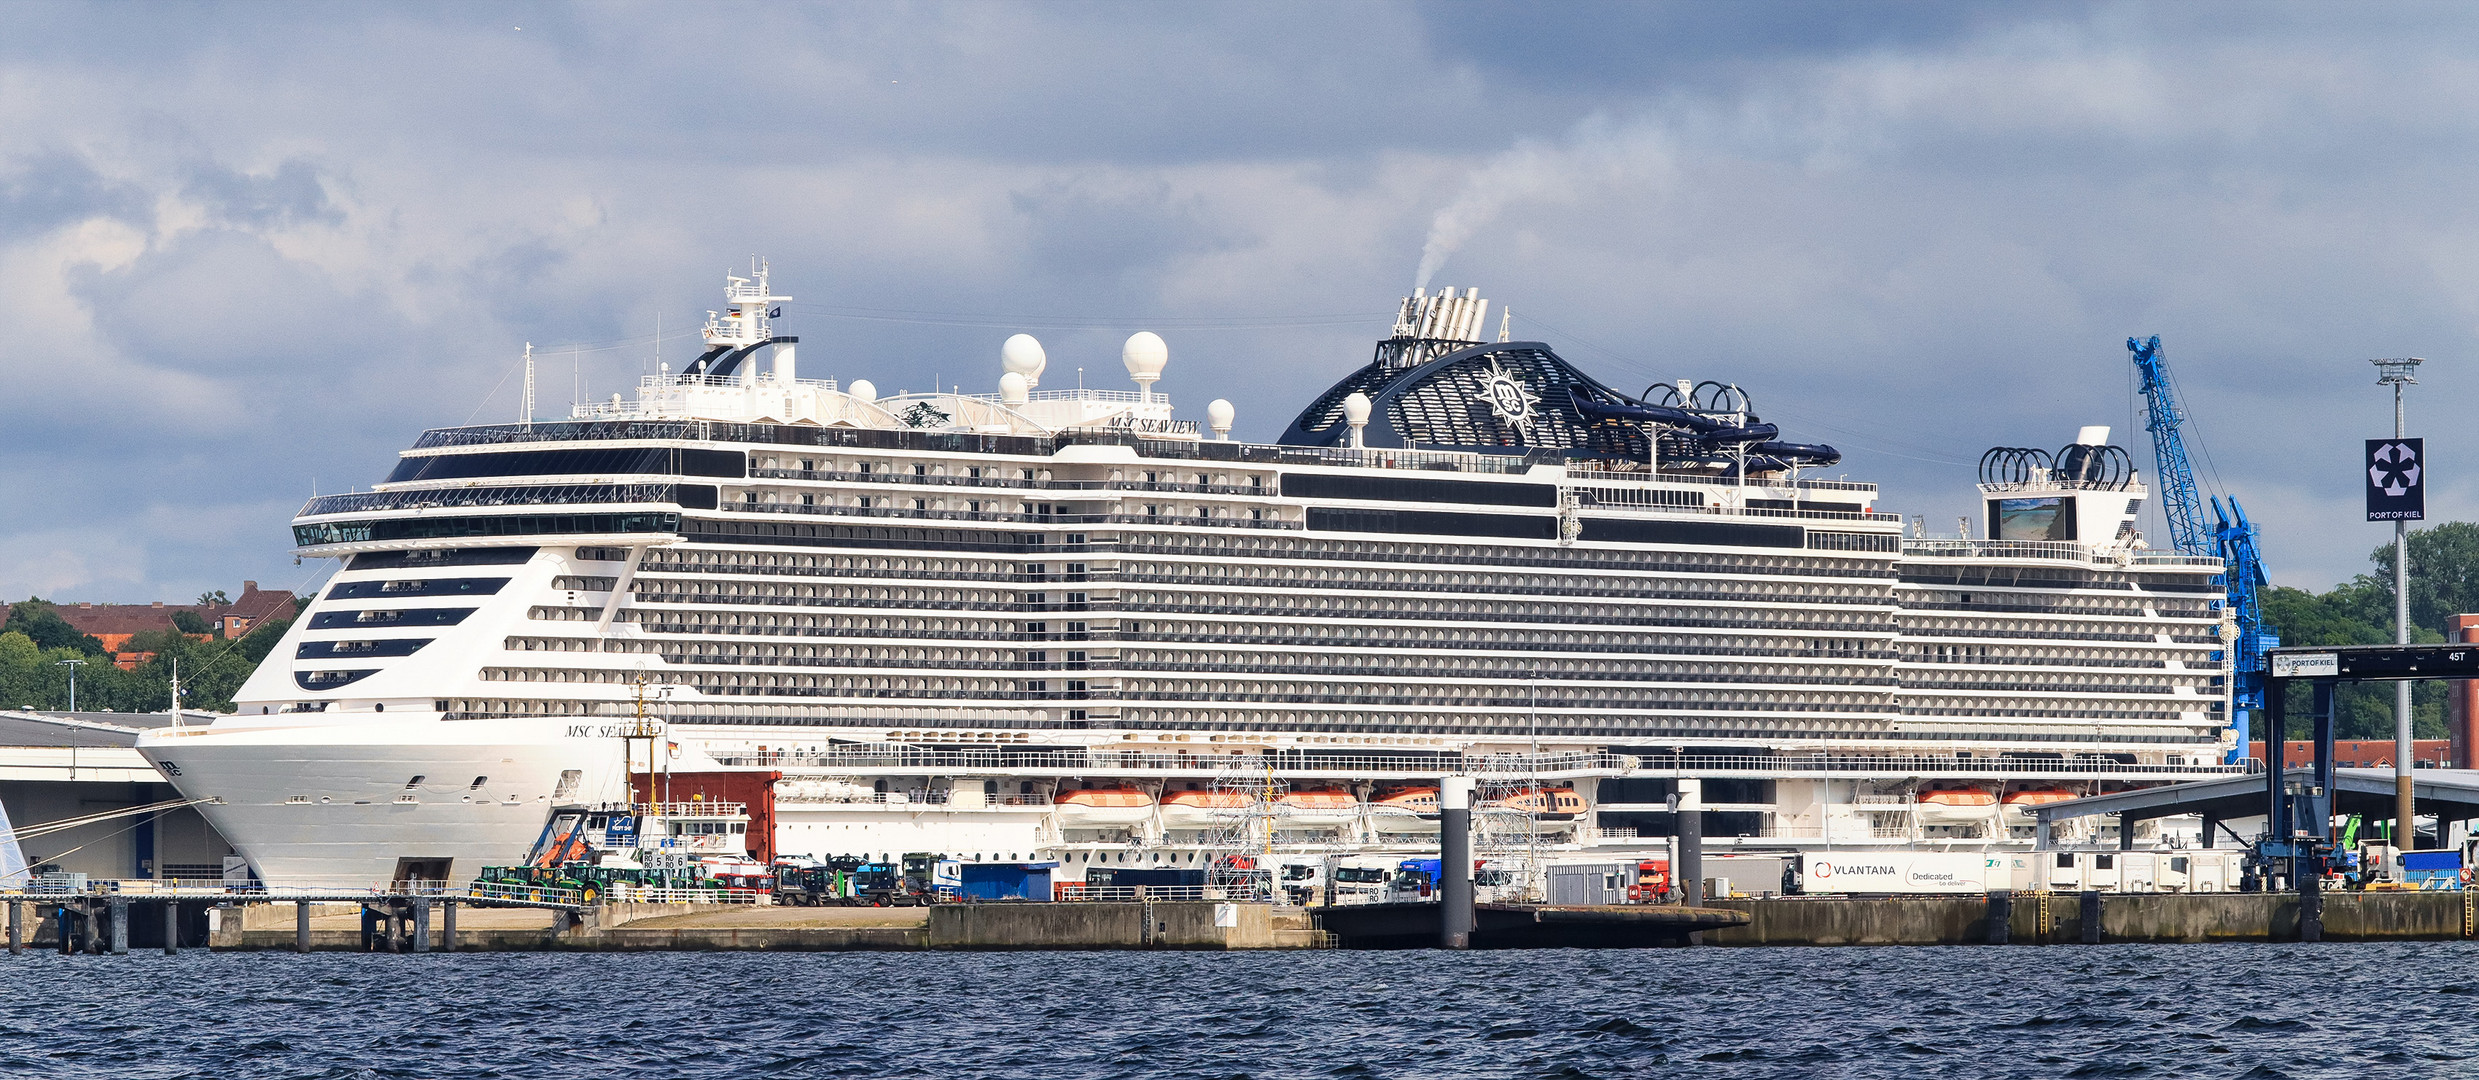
x=2396, y=480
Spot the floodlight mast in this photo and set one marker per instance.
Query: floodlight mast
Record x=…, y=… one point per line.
x=2399, y=372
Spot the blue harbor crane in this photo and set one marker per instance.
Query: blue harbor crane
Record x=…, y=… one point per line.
x=2231, y=536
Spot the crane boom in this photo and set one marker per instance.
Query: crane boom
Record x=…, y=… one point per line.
x=2231, y=537
x=2179, y=499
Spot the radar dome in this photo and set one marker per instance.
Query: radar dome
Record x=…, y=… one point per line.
x=1218, y=414
x=863, y=389
x=1145, y=354
x=1023, y=356
x=1012, y=387
x=1356, y=408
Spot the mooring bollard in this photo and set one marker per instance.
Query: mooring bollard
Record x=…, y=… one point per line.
x=120, y=926
x=447, y=926
x=2000, y=917
x=2091, y=917
x=172, y=927
x=421, y=924
x=301, y=926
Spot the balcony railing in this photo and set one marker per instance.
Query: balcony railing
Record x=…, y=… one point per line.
x=1077, y=762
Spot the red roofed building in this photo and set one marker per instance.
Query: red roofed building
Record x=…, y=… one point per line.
x=255, y=606
x=115, y=624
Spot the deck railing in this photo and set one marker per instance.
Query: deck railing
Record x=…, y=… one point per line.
x=1106, y=761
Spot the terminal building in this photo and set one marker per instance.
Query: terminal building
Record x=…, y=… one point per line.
x=57, y=768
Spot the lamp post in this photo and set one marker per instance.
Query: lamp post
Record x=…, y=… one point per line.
x=2398, y=373
x=72, y=665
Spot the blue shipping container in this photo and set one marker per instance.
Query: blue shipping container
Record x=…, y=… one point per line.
x=1005, y=881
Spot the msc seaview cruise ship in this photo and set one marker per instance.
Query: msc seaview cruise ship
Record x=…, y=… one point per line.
x=1052, y=624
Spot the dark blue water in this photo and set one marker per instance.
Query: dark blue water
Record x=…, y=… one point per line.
x=2112, y=1011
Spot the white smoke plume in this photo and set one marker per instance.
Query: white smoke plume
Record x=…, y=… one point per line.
x=1533, y=171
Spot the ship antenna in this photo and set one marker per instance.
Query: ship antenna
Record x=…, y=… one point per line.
x=1506, y=315
x=526, y=408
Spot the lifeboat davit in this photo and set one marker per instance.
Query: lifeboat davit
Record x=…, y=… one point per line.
x=1955, y=806
x=1099, y=808
x=2018, y=804
x=1203, y=809
x=1319, y=806
x=1405, y=810
x=1545, y=802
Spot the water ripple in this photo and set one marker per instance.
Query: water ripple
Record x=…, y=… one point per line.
x=2238, y=1011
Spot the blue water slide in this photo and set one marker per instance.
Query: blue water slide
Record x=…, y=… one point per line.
x=1802, y=454
x=1703, y=426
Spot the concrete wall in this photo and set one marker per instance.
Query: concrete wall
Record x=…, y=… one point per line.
x=1818, y=921
x=2125, y=917
x=1164, y=925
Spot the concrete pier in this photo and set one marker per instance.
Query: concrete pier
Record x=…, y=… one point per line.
x=2097, y=919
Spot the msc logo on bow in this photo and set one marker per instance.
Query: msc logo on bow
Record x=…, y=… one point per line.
x=2396, y=479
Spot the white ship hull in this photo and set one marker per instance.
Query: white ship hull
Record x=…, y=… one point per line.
x=360, y=800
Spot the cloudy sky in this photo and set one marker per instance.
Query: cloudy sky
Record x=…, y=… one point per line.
x=251, y=251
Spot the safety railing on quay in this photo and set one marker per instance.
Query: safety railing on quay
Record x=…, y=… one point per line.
x=500, y=890
x=1077, y=891
x=624, y=893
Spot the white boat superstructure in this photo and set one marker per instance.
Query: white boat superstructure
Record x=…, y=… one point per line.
x=1021, y=624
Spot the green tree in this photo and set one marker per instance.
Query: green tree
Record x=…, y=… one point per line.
x=39, y=621
x=2444, y=576
x=214, y=598
x=2444, y=581
x=190, y=622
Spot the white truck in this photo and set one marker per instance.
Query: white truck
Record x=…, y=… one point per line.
x=1839, y=873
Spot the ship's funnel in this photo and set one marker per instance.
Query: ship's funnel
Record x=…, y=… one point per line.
x=1430, y=325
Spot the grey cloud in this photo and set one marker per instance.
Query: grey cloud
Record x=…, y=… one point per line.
x=1912, y=230
x=48, y=189
x=293, y=194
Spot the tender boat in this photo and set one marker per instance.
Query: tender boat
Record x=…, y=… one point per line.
x=1109, y=807
x=1319, y=806
x=1405, y=810
x=1955, y=806
x=2018, y=804
x=1200, y=809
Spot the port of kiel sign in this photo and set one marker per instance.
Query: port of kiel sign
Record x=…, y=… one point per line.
x=2396, y=480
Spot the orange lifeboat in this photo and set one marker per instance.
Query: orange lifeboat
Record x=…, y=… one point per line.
x=1086, y=808
x=1319, y=806
x=2018, y=804
x=1197, y=809
x=1405, y=810
x=1952, y=806
x=1542, y=801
